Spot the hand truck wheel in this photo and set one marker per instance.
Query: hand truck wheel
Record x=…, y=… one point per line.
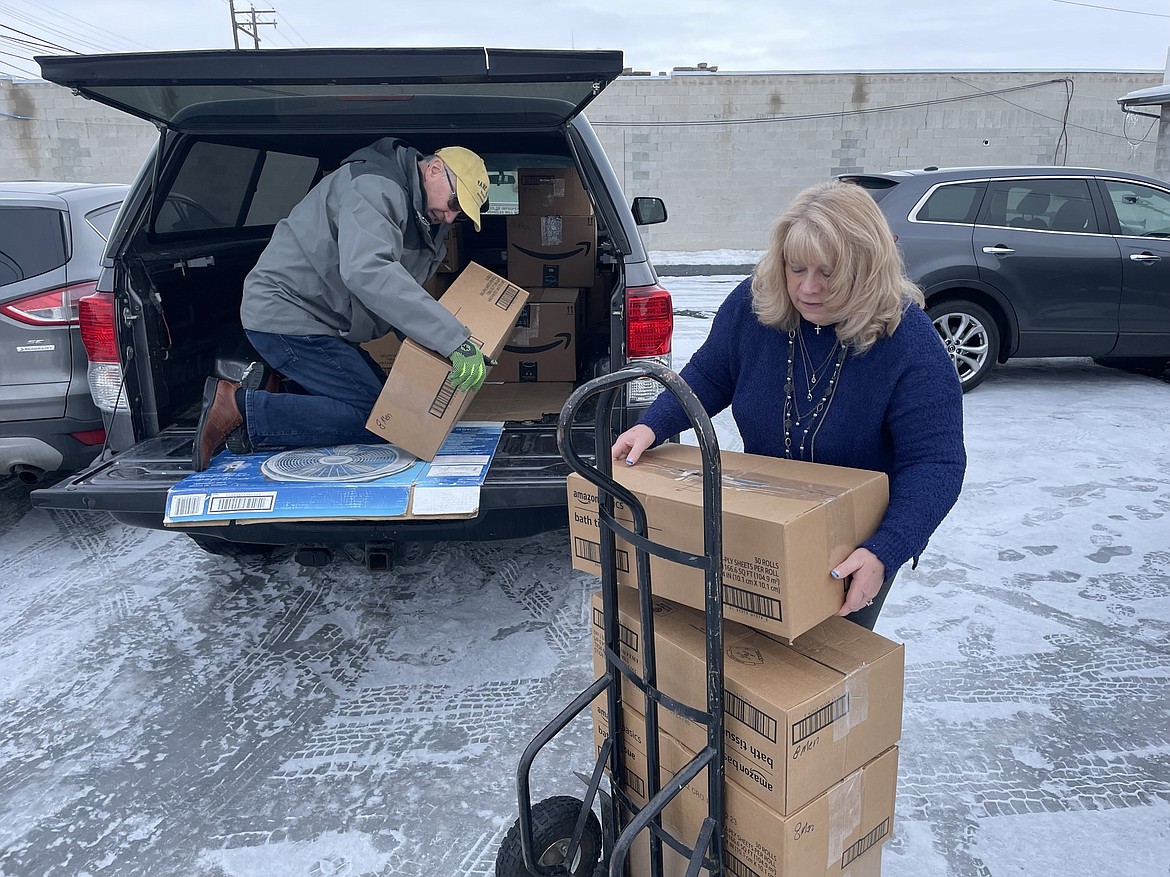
x=553, y=822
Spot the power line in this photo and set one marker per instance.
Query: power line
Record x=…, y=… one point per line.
x=1112, y=9
x=285, y=23
x=249, y=28
x=39, y=41
x=79, y=39
x=20, y=69
x=41, y=5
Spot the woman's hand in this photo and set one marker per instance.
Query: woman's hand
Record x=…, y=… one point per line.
x=631, y=443
x=868, y=575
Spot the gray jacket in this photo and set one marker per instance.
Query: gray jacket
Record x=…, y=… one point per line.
x=351, y=258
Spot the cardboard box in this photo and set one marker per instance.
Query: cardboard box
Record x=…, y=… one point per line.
x=796, y=718
x=543, y=346
x=552, y=191
x=249, y=488
x=786, y=523
x=519, y=402
x=552, y=250
x=384, y=350
x=453, y=262
x=418, y=406
x=837, y=834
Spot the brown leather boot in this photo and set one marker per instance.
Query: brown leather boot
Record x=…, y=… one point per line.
x=220, y=416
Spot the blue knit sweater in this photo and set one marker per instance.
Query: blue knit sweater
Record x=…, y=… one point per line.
x=898, y=409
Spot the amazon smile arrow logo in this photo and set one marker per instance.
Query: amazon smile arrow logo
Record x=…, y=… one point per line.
x=583, y=247
x=563, y=338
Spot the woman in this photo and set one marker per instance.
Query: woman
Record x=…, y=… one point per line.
x=826, y=355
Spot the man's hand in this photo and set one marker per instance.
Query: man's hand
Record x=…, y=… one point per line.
x=469, y=367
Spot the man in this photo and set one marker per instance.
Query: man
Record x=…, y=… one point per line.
x=346, y=266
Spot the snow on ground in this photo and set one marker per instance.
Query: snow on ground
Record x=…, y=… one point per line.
x=166, y=712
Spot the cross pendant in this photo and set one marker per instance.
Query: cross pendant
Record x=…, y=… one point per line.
x=818, y=329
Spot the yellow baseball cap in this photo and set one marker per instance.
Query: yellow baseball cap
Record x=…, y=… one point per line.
x=471, y=179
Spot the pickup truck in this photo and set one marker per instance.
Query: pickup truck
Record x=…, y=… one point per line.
x=243, y=135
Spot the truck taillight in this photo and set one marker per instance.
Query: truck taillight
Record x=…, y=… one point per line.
x=649, y=330
x=649, y=321
x=99, y=334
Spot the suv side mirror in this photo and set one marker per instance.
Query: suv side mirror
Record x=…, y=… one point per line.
x=649, y=211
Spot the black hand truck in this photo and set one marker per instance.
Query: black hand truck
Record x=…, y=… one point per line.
x=561, y=835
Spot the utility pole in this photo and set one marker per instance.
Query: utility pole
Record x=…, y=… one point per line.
x=248, y=23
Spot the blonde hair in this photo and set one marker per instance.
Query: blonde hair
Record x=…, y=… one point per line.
x=840, y=226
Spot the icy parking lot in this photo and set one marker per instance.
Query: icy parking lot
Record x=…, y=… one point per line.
x=165, y=712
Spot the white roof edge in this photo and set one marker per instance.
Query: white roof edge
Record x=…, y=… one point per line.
x=884, y=71
x=1146, y=97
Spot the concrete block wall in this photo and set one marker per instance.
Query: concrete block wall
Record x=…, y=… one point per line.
x=727, y=151
x=48, y=133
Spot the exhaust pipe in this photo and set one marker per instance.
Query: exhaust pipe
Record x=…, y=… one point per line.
x=28, y=474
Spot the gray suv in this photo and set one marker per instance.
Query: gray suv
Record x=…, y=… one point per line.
x=51, y=239
x=1035, y=261
x=243, y=136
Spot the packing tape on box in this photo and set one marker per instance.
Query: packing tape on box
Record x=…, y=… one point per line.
x=857, y=692
x=754, y=483
x=844, y=816
x=552, y=232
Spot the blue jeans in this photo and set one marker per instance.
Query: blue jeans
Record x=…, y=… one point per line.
x=337, y=386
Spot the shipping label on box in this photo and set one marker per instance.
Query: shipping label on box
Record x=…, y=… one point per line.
x=418, y=405
x=837, y=834
x=548, y=191
x=786, y=523
x=796, y=718
x=543, y=347
x=556, y=250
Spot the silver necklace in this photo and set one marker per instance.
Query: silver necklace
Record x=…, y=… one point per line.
x=807, y=424
x=810, y=371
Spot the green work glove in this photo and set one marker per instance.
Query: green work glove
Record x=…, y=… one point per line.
x=469, y=367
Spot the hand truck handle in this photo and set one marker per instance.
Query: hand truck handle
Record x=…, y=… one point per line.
x=607, y=386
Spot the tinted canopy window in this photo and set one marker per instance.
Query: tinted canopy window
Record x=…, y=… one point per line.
x=1041, y=204
x=1141, y=210
x=222, y=186
x=954, y=203
x=32, y=241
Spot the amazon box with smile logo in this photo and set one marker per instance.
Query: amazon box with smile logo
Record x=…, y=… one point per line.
x=548, y=251
x=543, y=347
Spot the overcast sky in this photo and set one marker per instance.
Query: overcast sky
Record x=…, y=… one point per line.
x=656, y=35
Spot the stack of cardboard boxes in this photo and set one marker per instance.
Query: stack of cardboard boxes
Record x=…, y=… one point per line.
x=812, y=702
x=551, y=256
x=552, y=253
